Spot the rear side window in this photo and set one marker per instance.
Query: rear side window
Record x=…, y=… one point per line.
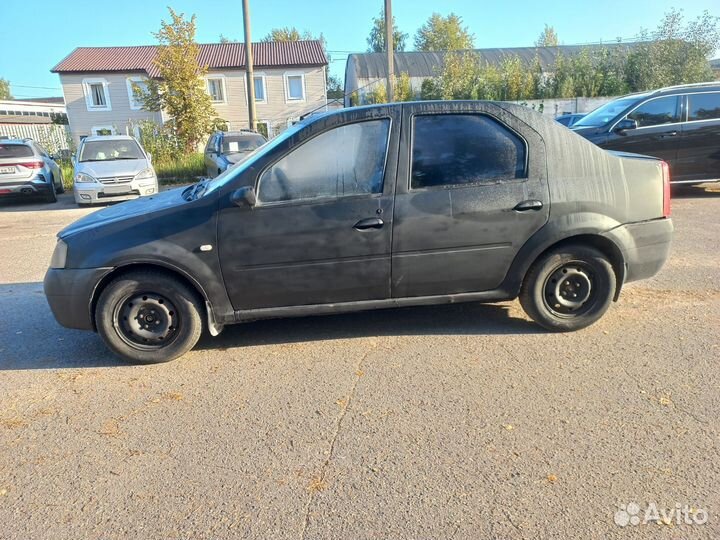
x=703, y=106
x=15, y=151
x=657, y=112
x=346, y=160
x=456, y=149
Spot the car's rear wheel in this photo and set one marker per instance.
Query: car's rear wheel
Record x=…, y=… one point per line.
x=51, y=195
x=148, y=316
x=60, y=185
x=568, y=288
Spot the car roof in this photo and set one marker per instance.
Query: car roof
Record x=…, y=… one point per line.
x=240, y=133
x=16, y=141
x=108, y=138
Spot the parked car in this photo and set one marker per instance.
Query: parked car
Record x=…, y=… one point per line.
x=371, y=207
x=679, y=124
x=27, y=170
x=225, y=148
x=112, y=168
x=568, y=120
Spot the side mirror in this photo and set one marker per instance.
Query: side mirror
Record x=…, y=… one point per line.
x=626, y=124
x=245, y=196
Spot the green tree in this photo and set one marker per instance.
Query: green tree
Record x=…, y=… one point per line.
x=443, y=34
x=180, y=90
x=403, y=88
x=5, y=89
x=287, y=33
x=548, y=38
x=378, y=94
x=376, y=39
x=334, y=87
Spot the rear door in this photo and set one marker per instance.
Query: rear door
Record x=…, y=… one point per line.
x=472, y=188
x=658, y=131
x=699, y=149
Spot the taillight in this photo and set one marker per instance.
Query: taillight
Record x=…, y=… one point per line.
x=666, y=189
x=29, y=164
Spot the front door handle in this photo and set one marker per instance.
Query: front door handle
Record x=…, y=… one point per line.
x=668, y=134
x=369, y=223
x=528, y=205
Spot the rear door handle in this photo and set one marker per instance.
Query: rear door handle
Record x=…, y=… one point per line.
x=528, y=205
x=369, y=223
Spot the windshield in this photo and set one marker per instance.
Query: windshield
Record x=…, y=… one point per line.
x=110, y=150
x=241, y=143
x=605, y=113
x=236, y=169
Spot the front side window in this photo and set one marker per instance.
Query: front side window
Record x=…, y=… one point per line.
x=703, y=106
x=295, y=87
x=346, y=160
x=656, y=112
x=456, y=149
x=216, y=89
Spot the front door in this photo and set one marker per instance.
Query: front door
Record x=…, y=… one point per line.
x=471, y=192
x=657, y=133
x=321, y=229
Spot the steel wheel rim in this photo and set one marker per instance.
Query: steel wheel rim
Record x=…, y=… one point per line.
x=570, y=290
x=146, y=321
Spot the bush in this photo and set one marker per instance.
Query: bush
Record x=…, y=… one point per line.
x=180, y=170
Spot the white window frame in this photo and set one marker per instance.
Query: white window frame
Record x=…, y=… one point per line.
x=131, y=95
x=260, y=75
x=221, y=78
x=269, y=127
x=94, y=130
x=86, y=83
x=286, y=81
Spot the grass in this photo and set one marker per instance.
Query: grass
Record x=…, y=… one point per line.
x=183, y=170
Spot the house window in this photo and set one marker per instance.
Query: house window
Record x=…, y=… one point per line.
x=97, y=94
x=259, y=81
x=263, y=128
x=216, y=89
x=295, y=86
x=136, y=86
x=102, y=130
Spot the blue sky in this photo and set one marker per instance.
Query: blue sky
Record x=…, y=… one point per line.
x=36, y=34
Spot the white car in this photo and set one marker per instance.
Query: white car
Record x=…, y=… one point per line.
x=112, y=168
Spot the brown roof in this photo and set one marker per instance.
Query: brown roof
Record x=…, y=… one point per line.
x=212, y=55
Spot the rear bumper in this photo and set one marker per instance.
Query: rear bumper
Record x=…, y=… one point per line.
x=24, y=189
x=69, y=293
x=645, y=246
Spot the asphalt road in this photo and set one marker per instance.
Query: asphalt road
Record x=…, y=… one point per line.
x=463, y=421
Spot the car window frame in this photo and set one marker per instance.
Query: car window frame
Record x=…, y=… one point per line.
x=325, y=200
x=486, y=182
x=678, y=106
x=686, y=99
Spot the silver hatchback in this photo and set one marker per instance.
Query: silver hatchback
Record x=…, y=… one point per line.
x=27, y=170
x=112, y=168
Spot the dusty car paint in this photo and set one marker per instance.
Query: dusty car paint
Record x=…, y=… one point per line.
x=435, y=246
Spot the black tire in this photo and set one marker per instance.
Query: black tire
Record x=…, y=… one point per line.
x=568, y=288
x=51, y=196
x=149, y=316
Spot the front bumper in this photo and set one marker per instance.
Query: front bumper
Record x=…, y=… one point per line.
x=645, y=246
x=94, y=193
x=70, y=292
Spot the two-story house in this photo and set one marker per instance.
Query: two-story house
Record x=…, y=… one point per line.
x=289, y=81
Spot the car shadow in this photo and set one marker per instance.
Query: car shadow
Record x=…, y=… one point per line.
x=30, y=338
x=65, y=201
x=702, y=191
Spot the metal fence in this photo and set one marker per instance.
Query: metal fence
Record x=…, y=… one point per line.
x=53, y=137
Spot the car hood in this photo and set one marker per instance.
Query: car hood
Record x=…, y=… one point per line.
x=117, y=167
x=126, y=210
x=587, y=131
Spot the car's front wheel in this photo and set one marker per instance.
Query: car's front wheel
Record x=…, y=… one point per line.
x=148, y=316
x=568, y=288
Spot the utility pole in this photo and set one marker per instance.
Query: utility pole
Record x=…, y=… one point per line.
x=249, y=66
x=389, y=46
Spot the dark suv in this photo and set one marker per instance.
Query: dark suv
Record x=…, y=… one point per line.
x=679, y=124
x=371, y=207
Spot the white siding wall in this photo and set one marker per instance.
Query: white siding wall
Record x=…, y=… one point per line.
x=277, y=111
x=120, y=117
